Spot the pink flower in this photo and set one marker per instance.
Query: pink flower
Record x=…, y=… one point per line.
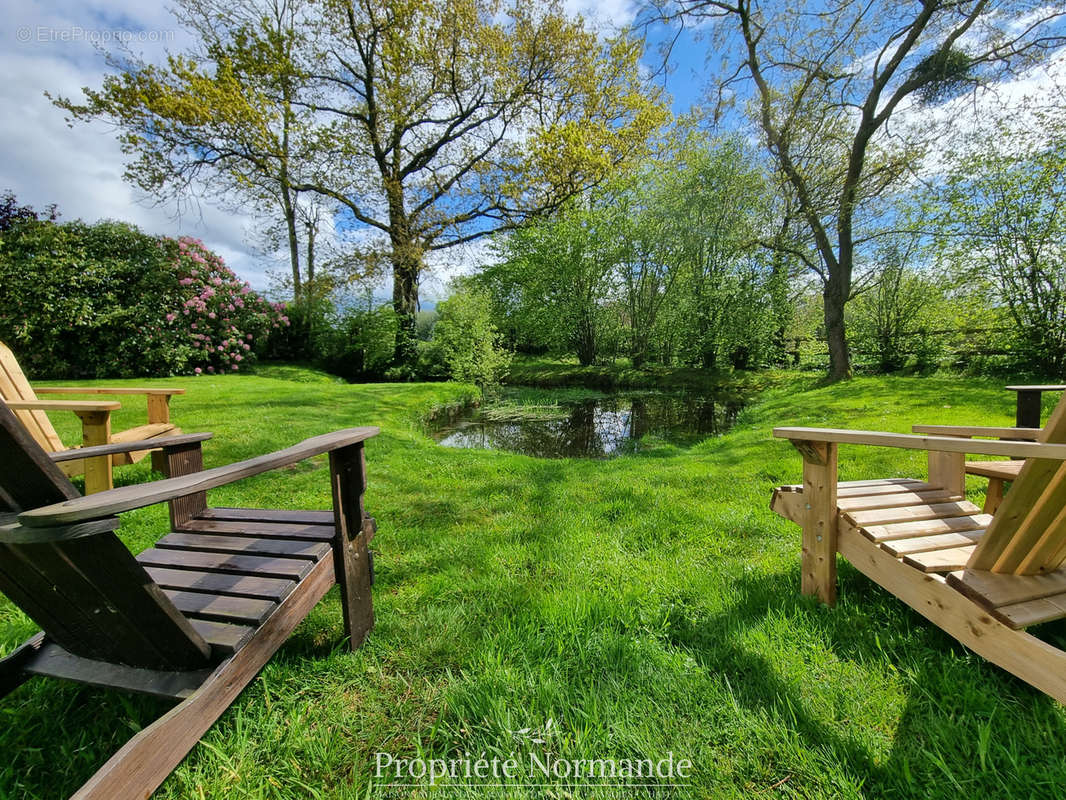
x=212, y=315
x=234, y=367
x=197, y=370
x=171, y=317
x=210, y=369
x=246, y=346
x=238, y=357
x=185, y=281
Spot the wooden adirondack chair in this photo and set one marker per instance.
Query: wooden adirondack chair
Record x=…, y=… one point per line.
x=983, y=578
x=95, y=417
x=192, y=619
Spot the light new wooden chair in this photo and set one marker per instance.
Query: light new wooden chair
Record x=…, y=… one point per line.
x=192, y=619
x=982, y=578
x=95, y=415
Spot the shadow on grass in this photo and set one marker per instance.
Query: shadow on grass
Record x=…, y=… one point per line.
x=948, y=725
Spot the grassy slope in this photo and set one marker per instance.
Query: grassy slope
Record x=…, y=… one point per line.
x=619, y=609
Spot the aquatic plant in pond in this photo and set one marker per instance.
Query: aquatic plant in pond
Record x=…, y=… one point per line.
x=219, y=314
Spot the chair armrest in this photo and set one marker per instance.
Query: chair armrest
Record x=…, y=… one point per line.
x=162, y=442
x=113, y=501
x=1019, y=434
x=103, y=390
x=947, y=444
x=64, y=405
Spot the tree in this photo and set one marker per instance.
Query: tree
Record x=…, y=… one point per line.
x=712, y=204
x=432, y=123
x=827, y=78
x=218, y=121
x=11, y=213
x=894, y=309
x=1001, y=219
x=554, y=276
x=468, y=341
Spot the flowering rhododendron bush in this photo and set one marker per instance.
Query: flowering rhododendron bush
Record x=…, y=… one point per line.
x=107, y=300
x=220, y=315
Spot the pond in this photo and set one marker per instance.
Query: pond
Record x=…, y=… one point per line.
x=592, y=427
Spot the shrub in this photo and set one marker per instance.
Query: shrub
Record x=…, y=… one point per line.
x=219, y=314
x=360, y=343
x=107, y=300
x=468, y=341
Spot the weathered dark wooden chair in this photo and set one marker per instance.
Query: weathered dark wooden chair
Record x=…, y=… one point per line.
x=196, y=617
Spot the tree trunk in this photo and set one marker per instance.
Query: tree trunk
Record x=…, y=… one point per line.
x=289, y=210
x=405, y=270
x=839, y=358
x=586, y=342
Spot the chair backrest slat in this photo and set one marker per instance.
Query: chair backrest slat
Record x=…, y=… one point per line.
x=1028, y=532
x=15, y=386
x=89, y=594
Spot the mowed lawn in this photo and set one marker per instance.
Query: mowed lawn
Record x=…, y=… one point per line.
x=575, y=609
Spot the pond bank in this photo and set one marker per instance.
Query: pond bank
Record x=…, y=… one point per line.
x=553, y=373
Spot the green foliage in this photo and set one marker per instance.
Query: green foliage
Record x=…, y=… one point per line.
x=80, y=300
x=358, y=343
x=943, y=74
x=468, y=341
x=1002, y=231
x=461, y=117
x=662, y=265
x=554, y=278
x=891, y=321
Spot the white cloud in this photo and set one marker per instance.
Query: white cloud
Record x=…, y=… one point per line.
x=604, y=15
x=51, y=48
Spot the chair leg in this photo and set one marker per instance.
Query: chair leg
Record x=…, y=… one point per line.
x=993, y=495
x=12, y=675
x=818, y=568
x=148, y=758
x=96, y=429
x=350, y=554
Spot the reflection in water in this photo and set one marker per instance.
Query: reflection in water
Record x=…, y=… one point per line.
x=597, y=428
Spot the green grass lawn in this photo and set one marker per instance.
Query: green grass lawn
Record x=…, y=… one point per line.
x=578, y=609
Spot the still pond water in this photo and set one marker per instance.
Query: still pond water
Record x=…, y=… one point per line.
x=595, y=428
